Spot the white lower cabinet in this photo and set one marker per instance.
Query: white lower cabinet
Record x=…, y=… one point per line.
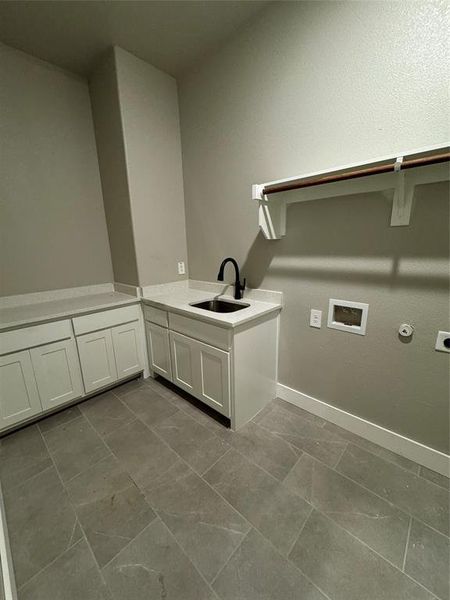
x=98, y=363
x=184, y=365
x=201, y=370
x=214, y=369
x=19, y=397
x=127, y=349
x=57, y=373
x=159, y=349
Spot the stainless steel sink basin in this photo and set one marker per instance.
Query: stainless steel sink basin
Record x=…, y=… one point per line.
x=220, y=306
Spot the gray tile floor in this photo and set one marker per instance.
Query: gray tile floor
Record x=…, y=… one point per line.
x=137, y=494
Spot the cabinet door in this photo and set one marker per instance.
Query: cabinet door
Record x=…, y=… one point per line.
x=127, y=343
x=159, y=350
x=57, y=372
x=214, y=377
x=98, y=365
x=19, y=398
x=184, y=368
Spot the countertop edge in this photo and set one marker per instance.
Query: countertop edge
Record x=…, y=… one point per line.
x=211, y=320
x=67, y=314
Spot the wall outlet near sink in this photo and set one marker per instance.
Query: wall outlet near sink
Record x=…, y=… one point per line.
x=181, y=268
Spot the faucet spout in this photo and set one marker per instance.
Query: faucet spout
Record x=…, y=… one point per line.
x=238, y=286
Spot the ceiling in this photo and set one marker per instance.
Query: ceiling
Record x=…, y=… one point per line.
x=169, y=34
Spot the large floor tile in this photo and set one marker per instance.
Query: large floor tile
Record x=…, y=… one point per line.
x=304, y=434
x=129, y=386
x=154, y=567
x=106, y=413
x=300, y=412
x=73, y=576
x=401, y=461
x=41, y=522
x=434, y=477
x=111, y=509
x=413, y=494
x=257, y=572
x=272, y=508
x=205, y=526
x=345, y=569
x=75, y=447
x=195, y=443
x=375, y=521
x=148, y=405
x=427, y=559
x=22, y=455
x=267, y=450
x=60, y=418
x=141, y=453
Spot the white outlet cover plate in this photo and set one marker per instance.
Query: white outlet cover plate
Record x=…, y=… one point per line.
x=315, y=319
x=441, y=336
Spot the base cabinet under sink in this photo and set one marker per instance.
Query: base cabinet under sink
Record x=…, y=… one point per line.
x=201, y=370
x=230, y=370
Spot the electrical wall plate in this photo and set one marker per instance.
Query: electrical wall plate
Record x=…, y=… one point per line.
x=443, y=341
x=349, y=316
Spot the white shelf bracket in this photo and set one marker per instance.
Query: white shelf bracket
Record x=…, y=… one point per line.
x=271, y=215
x=403, y=197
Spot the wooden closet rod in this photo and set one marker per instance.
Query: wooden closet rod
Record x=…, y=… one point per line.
x=408, y=163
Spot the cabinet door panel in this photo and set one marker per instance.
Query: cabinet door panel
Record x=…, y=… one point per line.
x=184, y=362
x=214, y=378
x=19, y=398
x=159, y=350
x=57, y=372
x=98, y=364
x=127, y=349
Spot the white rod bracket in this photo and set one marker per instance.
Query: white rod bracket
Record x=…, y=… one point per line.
x=258, y=192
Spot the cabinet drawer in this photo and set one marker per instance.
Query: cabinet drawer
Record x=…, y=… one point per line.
x=29, y=337
x=105, y=319
x=155, y=315
x=199, y=330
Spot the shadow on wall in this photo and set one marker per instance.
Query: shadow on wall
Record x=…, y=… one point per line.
x=349, y=239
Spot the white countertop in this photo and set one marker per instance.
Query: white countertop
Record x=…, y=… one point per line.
x=180, y=300
x=28, y=314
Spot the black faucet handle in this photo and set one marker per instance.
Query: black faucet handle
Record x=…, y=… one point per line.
x=242, y=285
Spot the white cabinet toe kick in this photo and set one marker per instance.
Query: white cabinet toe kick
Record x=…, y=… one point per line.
x=232, y=370
x=44, y=367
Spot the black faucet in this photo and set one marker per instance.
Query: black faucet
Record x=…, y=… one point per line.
x=238, y=287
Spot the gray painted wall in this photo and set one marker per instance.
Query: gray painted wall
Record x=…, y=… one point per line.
x=138, y=140
x=52, y=227
x=151, y=129
x=113, y=169
x=306, y=87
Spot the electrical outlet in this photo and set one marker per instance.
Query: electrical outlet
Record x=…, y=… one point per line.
x=315, y=319
x=443, y=341
x=181, y=268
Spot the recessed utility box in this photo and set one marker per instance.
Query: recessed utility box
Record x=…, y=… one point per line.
x=348, y=316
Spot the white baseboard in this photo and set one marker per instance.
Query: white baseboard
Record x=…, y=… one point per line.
x=424, y=455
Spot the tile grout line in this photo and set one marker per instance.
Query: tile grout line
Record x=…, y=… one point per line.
x=297, y=537
x=379, y=555
x=76, y=521
x=341, y=438
x=333, y=468
x=187, y=556
x=396, y=506
x=246, y=520
x=49, y=564
x=407, y=544
x=244, y=537
x=416, y=471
